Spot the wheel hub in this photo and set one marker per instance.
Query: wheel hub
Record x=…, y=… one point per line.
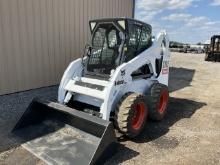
x=138, y=117
x=163, y=101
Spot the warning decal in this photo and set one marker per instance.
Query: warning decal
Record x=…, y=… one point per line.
x=165, y=67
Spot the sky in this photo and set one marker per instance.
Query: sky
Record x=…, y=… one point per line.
x=188, y=21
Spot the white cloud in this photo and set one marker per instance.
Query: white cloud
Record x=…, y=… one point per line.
x=189, y=20
x=211, y=23
x=183, y=27
x=179, y=4
x=177, y=17
x=196, y=21
x=163, y=4
x=147, y=15
x=148, y=9
x=192, y=28
x=215, y=3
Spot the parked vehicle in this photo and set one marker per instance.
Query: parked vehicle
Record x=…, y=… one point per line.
x=213, y=51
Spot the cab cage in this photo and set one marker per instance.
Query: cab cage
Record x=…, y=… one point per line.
x=93, y=24
x=138, y=37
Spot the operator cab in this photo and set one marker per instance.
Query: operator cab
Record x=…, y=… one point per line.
x=115, y=41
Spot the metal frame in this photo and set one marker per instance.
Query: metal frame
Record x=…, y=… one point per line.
x=104, y=21
x=115, y=20
x=133, y=9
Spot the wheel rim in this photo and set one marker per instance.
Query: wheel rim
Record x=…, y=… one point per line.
x=163, y=101
x=138, y=118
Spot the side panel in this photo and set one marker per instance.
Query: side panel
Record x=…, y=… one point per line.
x=164, y=74
x=122, y=82
x=74, y=69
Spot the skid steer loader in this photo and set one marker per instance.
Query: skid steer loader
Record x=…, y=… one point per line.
x=120, y=82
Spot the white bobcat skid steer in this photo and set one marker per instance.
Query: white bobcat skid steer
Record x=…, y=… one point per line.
x=122, y=79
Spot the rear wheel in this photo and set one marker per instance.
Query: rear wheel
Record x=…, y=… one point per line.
x=158, y=96
x=131, y=114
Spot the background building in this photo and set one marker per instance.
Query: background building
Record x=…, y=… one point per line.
x=39, y=38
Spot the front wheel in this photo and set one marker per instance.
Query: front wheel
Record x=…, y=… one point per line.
x=131, y=114
x=158, y=96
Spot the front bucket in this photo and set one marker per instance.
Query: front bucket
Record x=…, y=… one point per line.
x=61, y=135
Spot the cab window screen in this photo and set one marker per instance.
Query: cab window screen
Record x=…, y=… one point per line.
x=145, y=40
x=105, y=44
x=139, y=40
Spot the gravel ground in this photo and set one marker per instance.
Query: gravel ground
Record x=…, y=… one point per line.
x=189, y=134
x=12, y=107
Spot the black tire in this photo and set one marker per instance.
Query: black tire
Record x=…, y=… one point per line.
x=129, y=118
x=157, y=97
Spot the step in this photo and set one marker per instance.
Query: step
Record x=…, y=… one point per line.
x=74, y=86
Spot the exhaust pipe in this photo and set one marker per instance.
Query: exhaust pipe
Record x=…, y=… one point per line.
x=61, y=135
